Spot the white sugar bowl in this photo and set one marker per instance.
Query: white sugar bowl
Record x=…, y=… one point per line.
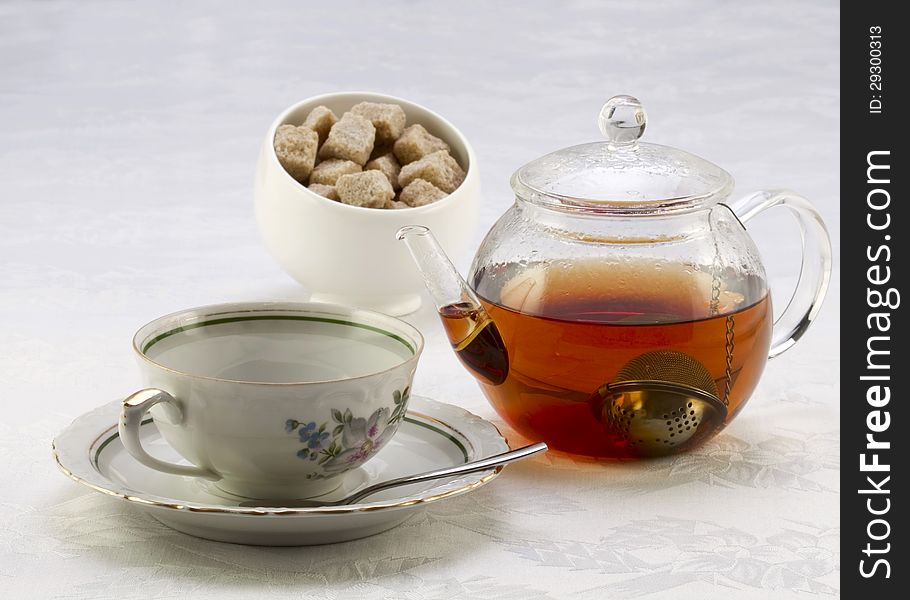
x=349, y=254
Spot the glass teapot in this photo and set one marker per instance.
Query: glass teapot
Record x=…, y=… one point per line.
x=620, y=308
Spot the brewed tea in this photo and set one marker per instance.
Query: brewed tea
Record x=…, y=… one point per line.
x=476, y=341
x=566, y=338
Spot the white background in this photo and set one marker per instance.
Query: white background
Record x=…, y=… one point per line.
x=128, y=138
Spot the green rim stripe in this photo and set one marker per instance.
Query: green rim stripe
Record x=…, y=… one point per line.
x=113, y=437
x=448, y=436
x=432, y=428
x=224, y=320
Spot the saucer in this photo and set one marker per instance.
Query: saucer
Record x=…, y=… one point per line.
x=432, y=435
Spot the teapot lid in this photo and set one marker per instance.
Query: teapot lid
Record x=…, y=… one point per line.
x=621, y=175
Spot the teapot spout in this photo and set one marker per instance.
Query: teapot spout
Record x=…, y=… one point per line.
x=472, y=333
x=445, y=285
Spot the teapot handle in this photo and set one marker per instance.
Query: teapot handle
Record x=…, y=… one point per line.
x=815, y=270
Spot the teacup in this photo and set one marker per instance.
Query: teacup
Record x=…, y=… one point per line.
x=271, y=400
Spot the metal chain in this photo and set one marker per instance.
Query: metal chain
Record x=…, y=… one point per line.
x=728, y=374
x=715, y=283
x=730, y=333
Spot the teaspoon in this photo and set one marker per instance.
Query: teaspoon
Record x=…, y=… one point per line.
x=471, y=467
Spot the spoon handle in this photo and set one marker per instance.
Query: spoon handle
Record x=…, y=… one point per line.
x=471, y=467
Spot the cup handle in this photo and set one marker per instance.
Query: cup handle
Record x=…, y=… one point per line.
x=815, y=270
x=131, y=413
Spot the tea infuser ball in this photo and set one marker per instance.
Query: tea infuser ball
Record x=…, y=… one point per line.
x=662, y=402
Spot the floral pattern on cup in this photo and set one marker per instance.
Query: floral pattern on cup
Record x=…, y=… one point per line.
x=351, y=441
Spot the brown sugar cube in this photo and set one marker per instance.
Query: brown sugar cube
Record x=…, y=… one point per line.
x=328, y=171
x=296, y=150
x=388, y=119
x=388, y=166
x=458, y=174
x=369, y=189
x=327, y=191
x=351, y=138
x=320, y=120
x=420, y=192
x=437, y=168
x=415, y=143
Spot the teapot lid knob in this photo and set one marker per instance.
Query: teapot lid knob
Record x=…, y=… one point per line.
x=622, y=121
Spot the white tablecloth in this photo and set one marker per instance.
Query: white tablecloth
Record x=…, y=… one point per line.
x=128, y=137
